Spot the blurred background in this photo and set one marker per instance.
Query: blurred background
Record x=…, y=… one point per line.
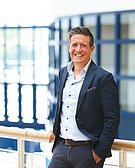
x=33, y=46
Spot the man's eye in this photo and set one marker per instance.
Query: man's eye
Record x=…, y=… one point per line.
x=74, y=45
x=83, y=46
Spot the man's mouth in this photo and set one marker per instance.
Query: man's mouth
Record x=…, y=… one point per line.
x=77, y=55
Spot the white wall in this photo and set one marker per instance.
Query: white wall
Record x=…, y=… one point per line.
x=25, y=12
x=38, y=12
x=73, y=7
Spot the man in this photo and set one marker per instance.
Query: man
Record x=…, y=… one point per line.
x=87, y=115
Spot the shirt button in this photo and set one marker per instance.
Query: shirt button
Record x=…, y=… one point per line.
x=67, y=106
x=69, y=95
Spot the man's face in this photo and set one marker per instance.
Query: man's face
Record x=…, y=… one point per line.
x=79, y=49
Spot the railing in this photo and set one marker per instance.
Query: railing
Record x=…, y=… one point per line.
x=124, y=146
x=21, y=135
x=20, y=102
x=27, y=134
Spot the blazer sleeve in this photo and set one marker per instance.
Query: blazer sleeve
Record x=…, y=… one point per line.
x=110, y=106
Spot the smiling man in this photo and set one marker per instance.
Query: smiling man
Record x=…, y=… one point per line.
x=87, y=116
x=80, y=51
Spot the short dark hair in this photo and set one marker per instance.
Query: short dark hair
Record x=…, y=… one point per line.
x=81, y=30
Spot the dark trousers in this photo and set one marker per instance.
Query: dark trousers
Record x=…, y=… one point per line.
x=65, y=156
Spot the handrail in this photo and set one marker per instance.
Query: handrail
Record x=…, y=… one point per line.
x=40, y=135
x=43, y=135
x=123, y=144
x=21, y=135
x=26, y=133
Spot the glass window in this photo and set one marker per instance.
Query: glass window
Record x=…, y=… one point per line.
x=52, y=56
x=1, y=53
x=1, y=37
x=41, y=55
x=41, y=64
x=64, y=55
x=90, y=22
x=127, y=94
x=127, y=22
x=64, y=29
x=24, y=59
x=75, y=21
x=107, y=26
x=26, y=37
x=11, y=37
x=41, y=37
x=12, y=53
x=11, y=73
x=127, y=59
x=107, y=57
x=1, y=63
x=26, y=52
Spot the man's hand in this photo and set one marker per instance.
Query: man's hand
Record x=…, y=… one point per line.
x=96, y=157
x=51, y=137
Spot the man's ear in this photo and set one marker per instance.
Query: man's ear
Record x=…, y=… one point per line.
x=92, y=48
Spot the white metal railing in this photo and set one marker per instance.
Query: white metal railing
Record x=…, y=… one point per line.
x=42, y=136
x=124, y=146
x=21, y=135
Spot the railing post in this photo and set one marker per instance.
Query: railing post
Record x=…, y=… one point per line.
x=21, y=152
x=122, y=159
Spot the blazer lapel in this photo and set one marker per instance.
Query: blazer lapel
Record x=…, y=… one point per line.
x=62, y=81
x=88, y=78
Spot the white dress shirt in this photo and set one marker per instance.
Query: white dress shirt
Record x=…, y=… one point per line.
x=68, y=126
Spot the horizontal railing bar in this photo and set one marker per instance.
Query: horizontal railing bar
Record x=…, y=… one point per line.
x=26, y=133
x=123, y=144
x=41, y=135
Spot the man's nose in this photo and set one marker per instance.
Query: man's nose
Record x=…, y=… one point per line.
x=78, y=47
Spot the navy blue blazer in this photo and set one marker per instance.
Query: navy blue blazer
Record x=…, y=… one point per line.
x=98, y=112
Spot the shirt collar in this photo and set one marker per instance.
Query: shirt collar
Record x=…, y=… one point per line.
x=70, y=66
